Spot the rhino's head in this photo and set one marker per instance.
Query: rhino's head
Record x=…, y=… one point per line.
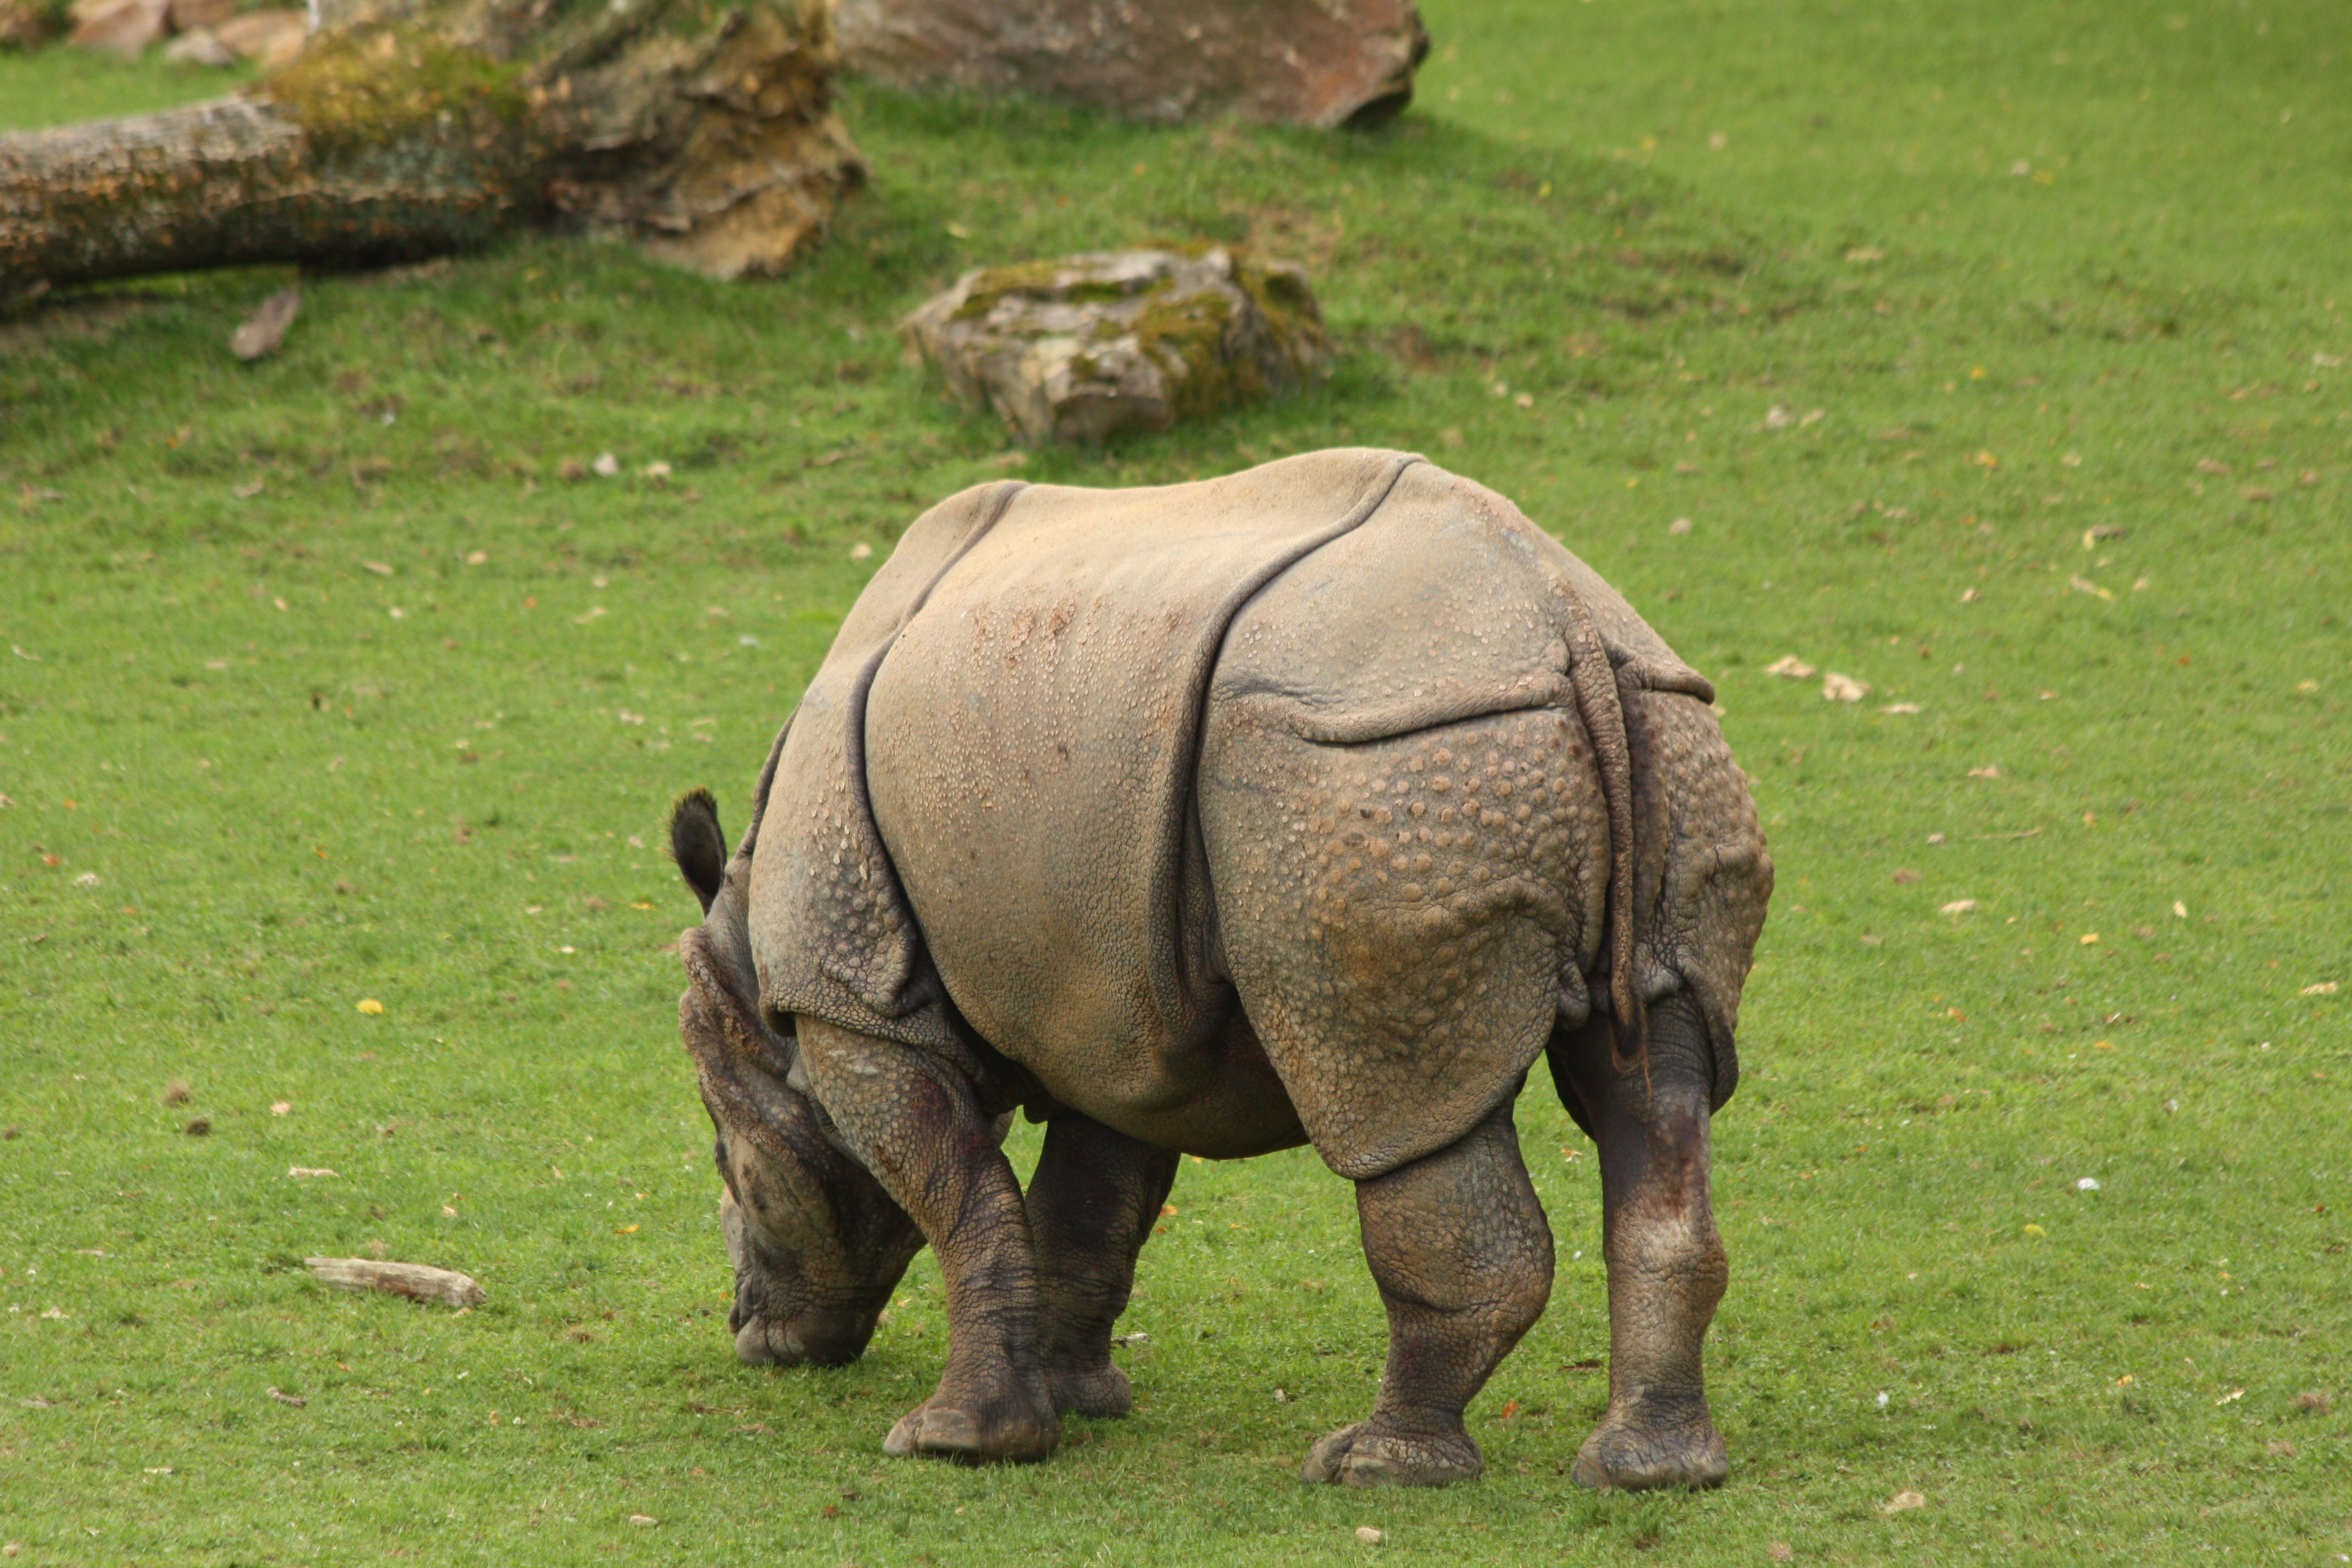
x=817, y=1245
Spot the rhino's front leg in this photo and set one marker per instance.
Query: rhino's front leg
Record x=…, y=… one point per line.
x=1462, y=1254
x=1091, y=1205
x=1666, y=1264
x=918, y=1128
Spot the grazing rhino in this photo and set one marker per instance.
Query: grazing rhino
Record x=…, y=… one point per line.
x=1308, y=804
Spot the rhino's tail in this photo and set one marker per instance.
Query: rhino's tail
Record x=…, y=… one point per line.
x=1593, y=679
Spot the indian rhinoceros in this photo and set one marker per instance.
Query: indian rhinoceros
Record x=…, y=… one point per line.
x=1308, y=804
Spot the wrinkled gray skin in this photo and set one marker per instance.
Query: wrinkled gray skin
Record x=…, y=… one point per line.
x=1312, y=804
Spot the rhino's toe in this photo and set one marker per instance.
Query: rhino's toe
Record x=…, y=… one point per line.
x=1330, y=1452
x=1101, y=1392
x=1626, y=1457
x=1364, y=1456
x=989, y=1435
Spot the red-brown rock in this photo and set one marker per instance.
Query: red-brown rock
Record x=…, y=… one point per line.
x=125, y=27
x=26, y=24
x=1306, y=62
x=188, y=16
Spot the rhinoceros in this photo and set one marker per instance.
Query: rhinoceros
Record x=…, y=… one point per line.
x=1309, y=804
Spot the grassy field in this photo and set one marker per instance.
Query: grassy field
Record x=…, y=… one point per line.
x=328, y=681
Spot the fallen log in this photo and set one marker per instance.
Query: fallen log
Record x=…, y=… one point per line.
x=702, y=130
x=417, y=1281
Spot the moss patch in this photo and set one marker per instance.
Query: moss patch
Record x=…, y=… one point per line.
x=1289, y=307
x=374, y=85
x=1041, y=279
x=1186, y=336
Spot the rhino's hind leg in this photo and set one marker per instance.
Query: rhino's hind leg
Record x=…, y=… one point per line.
x=1091, y=1205
x=917, y=1126
x=1666, y=1264
x=1462, y=1254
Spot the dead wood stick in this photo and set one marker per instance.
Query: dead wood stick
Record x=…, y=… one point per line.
x=417, y=1281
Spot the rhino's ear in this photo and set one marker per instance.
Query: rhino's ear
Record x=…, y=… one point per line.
x=698, y=845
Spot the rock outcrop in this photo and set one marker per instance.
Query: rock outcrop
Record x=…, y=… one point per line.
x=1079, y=348
x=1306, y=62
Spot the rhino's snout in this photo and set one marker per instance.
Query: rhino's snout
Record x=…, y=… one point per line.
x=783, y=1318
x=814, y=1337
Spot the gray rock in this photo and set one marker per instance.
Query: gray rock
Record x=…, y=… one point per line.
x=200, y=48
x=1302, y=62
x=1079, y=348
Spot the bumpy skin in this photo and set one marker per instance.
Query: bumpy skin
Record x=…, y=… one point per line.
x=1311, y=804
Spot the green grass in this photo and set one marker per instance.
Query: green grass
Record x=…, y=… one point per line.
x=293, y=797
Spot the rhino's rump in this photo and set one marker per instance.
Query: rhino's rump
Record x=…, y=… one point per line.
x=1406, y=812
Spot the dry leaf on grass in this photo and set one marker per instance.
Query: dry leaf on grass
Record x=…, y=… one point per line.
x=1900, y=708
x=1836, y=687
x=1959, y=907
x=1902, y=1501
x=304, y=1172
x=2323, y=988
x=1789, y=668
x=1988, y=771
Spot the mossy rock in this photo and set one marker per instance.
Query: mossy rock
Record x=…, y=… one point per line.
x=1081, y=347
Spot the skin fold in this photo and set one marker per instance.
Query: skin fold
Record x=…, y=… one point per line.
x=1179, y=852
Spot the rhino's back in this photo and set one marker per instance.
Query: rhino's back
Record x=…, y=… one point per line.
x=982, y=804
x=1030, y=741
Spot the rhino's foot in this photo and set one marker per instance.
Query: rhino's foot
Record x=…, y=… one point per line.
x=1101, y=1392
x=1008, y=1430
x=1621, y=1456
x=1365, y=1455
